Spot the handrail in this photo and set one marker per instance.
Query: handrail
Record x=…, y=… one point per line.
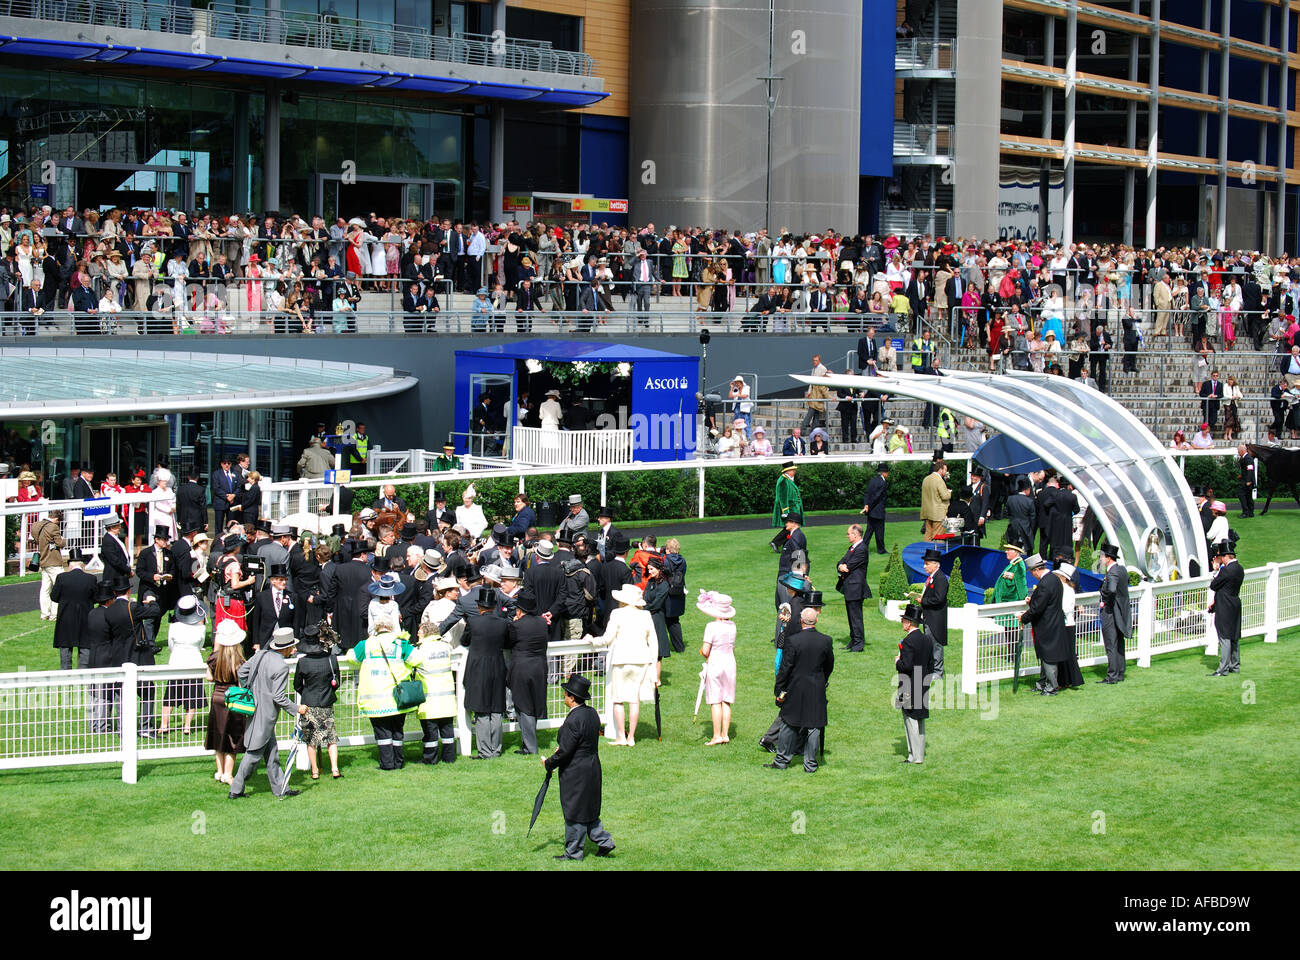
x=238, y=21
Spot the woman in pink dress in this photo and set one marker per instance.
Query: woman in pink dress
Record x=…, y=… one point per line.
x=719, y=649
x=253, y=289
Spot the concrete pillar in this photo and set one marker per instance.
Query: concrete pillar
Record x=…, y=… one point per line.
x=1221, y=208
x=1153, y=125
x=1261, y=151
x=497, y=135
x=1045, y=169
x=977, y=132
x=1071, y=70
x=271, y=148
x=1130, y=175
x=1279, y=239
x=1203, y=127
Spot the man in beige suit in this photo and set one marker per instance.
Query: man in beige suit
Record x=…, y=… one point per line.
x=935, y=496
x=1161, y=299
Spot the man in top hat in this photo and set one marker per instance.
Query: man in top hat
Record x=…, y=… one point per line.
x=576, y=523
x=275, y=606
x=1022, y=514
x=74, y=596
x=915, y=654
x=156, y=568
x=604, y=532
x=225, y=490
x=614, y=573
x=526, y=674
x=577, y=757
x=807, y=662
x=1047, y=617
x=113, y=552
x=786, y=498
x=345, y=594
x=1116, y=614
x=267, y=675
x=1226, y=607
x=934, y=605
x=486, y=635
x=873, y=505
x=852, y=583
x=447, y=460
x=128, y=640
x=545, y=580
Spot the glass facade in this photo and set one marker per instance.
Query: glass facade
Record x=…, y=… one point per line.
x=123, y=141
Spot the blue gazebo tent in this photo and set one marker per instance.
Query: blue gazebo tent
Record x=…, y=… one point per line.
x=662, y=389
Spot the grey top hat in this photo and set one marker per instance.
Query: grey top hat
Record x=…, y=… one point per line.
x=282, y=638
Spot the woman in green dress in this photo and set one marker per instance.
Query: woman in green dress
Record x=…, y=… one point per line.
x=1010, y=587
x=679, y=263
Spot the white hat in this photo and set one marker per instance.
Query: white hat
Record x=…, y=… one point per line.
x=445, y=583
x=228, y=634
x=470, y=492
x=715, y=605
x=630, y=594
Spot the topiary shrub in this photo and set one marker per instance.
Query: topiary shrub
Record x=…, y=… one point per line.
x=1134, y=578
x=988, y=594
x=956, y=586
x=1087, y=558
x=893, y=582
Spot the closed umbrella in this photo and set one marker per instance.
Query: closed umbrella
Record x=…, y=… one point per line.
x=541, y=798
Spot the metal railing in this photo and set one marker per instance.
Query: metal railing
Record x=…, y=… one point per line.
x=81, y=526
x=916, y=222
x=65, y=717
x=922, y=140
x=237, y=21
x=1167, y=617
x=583, y=448
x=931, y=55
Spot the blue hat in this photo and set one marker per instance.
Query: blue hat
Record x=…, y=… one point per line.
x=793, y=581
x=386, y=586
x=482, y=291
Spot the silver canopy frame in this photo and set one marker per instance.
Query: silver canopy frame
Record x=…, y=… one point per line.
x=1114, y=462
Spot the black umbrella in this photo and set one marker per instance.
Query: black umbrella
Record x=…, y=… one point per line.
x=1015, y=676
x=541, y=798
x=659, y=727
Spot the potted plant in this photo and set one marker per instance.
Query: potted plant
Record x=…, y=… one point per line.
x=895, y=592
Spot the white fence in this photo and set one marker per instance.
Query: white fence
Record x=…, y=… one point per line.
x=63, y=717
x=81, y=527
x=579, y=448
x=1167, y=617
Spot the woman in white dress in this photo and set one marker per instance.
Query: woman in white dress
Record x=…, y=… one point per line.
x=185, y=636
x=162, y=512
x=633, y=649
x=550, y=412
x=469, y=514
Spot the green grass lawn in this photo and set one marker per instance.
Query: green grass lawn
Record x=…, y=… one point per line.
x=1132, y=776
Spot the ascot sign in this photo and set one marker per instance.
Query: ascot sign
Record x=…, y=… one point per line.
x=666, y=383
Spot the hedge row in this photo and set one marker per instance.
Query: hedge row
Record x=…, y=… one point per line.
x=745, y=490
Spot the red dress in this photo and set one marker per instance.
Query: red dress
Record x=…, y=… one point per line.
x=229, y=604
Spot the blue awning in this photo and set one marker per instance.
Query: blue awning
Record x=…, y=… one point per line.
x=561, y=350
x=175, y=60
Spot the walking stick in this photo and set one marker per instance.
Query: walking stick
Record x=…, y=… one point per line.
x=699, y=695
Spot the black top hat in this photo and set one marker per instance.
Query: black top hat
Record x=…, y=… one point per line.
x=1225, y=549
x=379, y=562
x=619, y=543
x=472, y=573
x=1110, y=550
x=500, y=533
x=119, y=585
x=338, y=530
x=813, y=599
x=408, y=531
x=932, y=554
x=311, y=630
x=789, y=465
x=792, y=516
x=448, y=518
x=526, y=600
x=605, y=512
x=1198, y=491
x=1023, y=484
x=278, y=570
x=578, y=687
x=938, y=455
x=104, y=592
x=77, y=555
x=912, y=613
x=965, y=493
x=486, y=596
x=162, y=533
x=564, y=538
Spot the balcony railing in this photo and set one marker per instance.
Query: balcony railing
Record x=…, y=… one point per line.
x=579, y=448
x=237, y=21
x=922, y=140
x=925, y=55
x=910, y=223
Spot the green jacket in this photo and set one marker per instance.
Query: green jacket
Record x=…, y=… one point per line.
x=787, y=498
x=1011, y=584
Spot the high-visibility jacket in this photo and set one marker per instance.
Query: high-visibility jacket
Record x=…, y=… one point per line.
x=922, y=351
x=385, y=660
x=433, y=668
x=361, y=448
x=947, y=426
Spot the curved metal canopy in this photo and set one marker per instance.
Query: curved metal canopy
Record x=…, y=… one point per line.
x=1116, y=464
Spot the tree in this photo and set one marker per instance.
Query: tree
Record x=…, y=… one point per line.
x=956, y=587
x=893, y=582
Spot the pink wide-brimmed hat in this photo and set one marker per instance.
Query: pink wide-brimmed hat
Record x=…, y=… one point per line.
x=715, y=605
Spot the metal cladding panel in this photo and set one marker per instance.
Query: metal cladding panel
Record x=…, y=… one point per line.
x=699, y=113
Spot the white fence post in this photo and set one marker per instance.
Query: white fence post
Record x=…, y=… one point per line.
x=22, y=545
x=130, y=535
x=604, y=477
x=970, y=639
x=1146, y=621
x=1270, y=603
x=128, y=712
x=463, y=734
x=700, y=471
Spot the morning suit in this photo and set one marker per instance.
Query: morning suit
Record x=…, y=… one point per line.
x=854, y=587
x=807, y=661
x=934, y=608
x=267, y=674
x=1116, y=619
x=1226, y=587
x=915, y=654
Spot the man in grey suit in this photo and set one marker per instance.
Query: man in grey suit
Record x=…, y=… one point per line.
x=645, y=275
x=267, y=675
x=1116, y=613
x=576, y=523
